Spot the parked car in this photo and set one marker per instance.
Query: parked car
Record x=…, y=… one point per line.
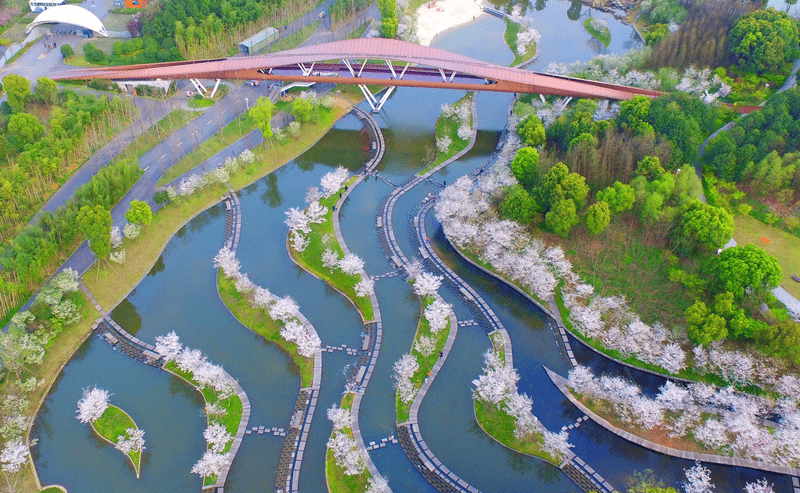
x=253, y=83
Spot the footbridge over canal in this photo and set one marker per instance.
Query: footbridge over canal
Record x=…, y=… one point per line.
x=373, y=61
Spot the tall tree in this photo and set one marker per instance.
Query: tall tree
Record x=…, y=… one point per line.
x=764, y=40
x=301, y=109
x=597, y=217
x=531, y=130
x=95, y=224
x=518, y=205
x=261, y=112
x=743, y=267
x=46, y=90
x=17, y=89
x=139, y=213
x=619, y=197
x=562, y=217
x=24, y=129
x=701, y=224
x=525, y=167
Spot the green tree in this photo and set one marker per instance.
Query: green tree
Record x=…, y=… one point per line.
x=261, y=113
x=301, y=109
x=781, y=339
x=743, y=267
x=18, y=89
x=619, y=197
x=704, y=326
x=531, y=130
x=518, y=205
x=525, y=167
x=95, y=225
x=139, y=213
x=562, y=217
x=559, y=184
x=66, y=50
x=46, y=90
x=764, y=40
x=389, y=22
x=597, y=217
x=702, y=224
x=650, y=168
x=24, y=129
x=633, y=115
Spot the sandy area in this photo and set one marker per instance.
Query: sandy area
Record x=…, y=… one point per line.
x=442, y=15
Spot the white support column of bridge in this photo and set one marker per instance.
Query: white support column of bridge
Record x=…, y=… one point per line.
x=198, y=86
x=371, y=99
x=216, y=86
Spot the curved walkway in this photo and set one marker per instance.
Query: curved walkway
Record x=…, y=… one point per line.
x=561, y=383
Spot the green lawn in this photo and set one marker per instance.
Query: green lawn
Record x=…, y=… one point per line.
x=338, y=482
x=425, y=362
x=111, y=425
x=358, y=32
x=785, y=247
x=603, y=34
x=510, y=35
x=259, y=321
x=311, y=259
x=500, y=425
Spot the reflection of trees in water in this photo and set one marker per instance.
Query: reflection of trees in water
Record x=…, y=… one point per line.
x=157, y=267
x=251, y=188
x=338, y=147
x=272, y=195
x=126, y=315
x=541, y=4
x=596, y=46
x=574, y=11
x=202, y=220
x=633, y=41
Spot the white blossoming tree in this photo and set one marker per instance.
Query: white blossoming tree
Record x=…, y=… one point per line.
x=365, y=287
x=227, y=261
x=698, y=480
x=351, y=264
x=210, y=464
x=332, y=181
x=316, y=212
x=436, y=314
x=443, y=143
x=15, y=455
x=339, y=417
x=346, y=454
x=168, y=346
x=217, y=437
x=427, y=284
x=425, y=345
x=404, y=369
x=92, y=404
x=307, y=343
x=330, y=259
x=131, y=441
x=297, y=220
x=377, y=484
x=284, y=309
x=132, y=231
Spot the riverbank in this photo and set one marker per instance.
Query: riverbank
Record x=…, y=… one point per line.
x=436, y=17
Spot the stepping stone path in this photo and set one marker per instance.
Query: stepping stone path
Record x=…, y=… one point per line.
x=265, y=430
x=381, y=178
x=383, y=442
x=343, y=347
x=577, y=423
x=468, y=323
x=393, y=273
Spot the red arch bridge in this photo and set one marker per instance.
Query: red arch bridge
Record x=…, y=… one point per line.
x=362, y=62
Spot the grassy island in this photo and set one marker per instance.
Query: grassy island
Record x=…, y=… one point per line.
x=598, y=29
x=338, y=481
x=447, y=128
x=113, y=424
x=425, y=362
x=232, y=406
x=311, y=258
x=259, y=321
x=510, y=35
x=498, y=424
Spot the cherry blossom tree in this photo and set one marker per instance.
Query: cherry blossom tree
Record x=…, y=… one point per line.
x=168, y=346
x=436, y=314
x=404, y=369
x=443, y=143
x=712, y=433
x=340, y=417
x=214, y=376
x=330, y=259
x=312, y=195
x=556, y=443
x=243, y=283
x=425, y=345
x=316, y=212
x=379, y=484
x=15, y=455
x=427, y=284
x=284, y=309
x=351, y=264
x=227, y=261
x=189, y=360
x=217, y=437
x=66, y=280
x=365, y=287
x=497, y=381
x=261, y=298
x=93, y=404
x=118, y=256
x=414, y=269
x=332, y=181
x=307, y=342
x=299, y=241
x=116, y=237
x=210, y=464
x=297, y=220
x=247, y=157
x=131, y=441
x=215, y=409
x=698, y=479
x=346, y=454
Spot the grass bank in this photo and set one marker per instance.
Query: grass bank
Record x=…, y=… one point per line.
x=785, y=247
x=510, y=35
x=113, y=424
x=337, y=481
x=498, y=424
x=322, y=236
x=603, y=34
x=425, y=362
x=259, y=321
x=232, y=405
x=448, y=127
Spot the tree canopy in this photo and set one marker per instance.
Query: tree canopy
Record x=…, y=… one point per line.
x=95, y=224
x=24, y=129
x=743, y=267
x=619, y=197
x=139, y=213
x=518, y=205
x=597, y=217
x=17, y=89
x=261, y=112
x=701, y=224
x=559, y=184
x=562, y=217
x=764, y=40
x=525, y=167
x=531, y=130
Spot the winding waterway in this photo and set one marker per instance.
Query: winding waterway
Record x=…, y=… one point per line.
x=180, y=295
